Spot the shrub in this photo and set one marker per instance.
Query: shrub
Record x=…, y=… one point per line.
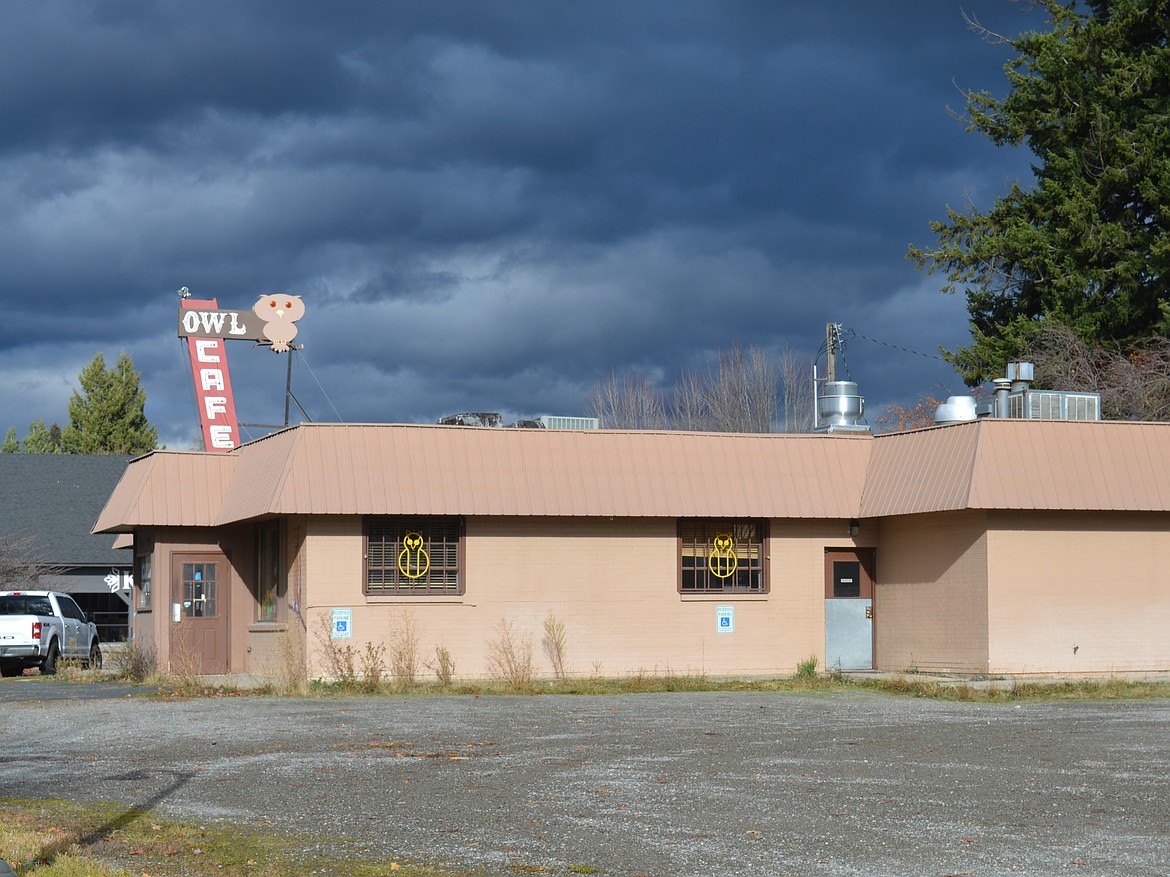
x=404, y=651
x=443, y=666
x=373, y=665
x=510, y=657
x=340, y=656
x=554, y=642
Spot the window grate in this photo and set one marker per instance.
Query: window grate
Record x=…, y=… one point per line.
x=413, y=556
x=722, y=556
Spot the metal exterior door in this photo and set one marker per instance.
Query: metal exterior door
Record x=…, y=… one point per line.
x=849, y=608
x=199, y=618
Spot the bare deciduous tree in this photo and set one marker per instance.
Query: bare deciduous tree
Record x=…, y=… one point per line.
x=737, y=394
x=690, y=403
x=798, y=399
x=1134, y=384
x=628, y=402
x=741, y=392
x=20, y=563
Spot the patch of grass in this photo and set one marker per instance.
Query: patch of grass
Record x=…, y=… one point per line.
x=61, y=839
x=647, y=682
x=806, y=670
x=512, y=669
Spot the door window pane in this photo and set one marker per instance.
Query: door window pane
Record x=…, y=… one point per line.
x=199, y=591
x=846, y=579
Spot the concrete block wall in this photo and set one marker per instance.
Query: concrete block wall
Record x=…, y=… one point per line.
x=930, y=601
x=1079, y=593
x=611, y=583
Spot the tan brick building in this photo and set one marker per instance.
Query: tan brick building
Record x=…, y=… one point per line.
x=997, y=546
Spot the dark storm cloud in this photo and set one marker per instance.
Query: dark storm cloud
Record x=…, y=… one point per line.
x=484, y=205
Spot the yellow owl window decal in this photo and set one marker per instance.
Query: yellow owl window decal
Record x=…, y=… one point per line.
x=722, y=561
x=413, y=561
x=414, y=556
x=722, y=556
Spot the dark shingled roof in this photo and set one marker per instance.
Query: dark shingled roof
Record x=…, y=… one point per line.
x=54, y=500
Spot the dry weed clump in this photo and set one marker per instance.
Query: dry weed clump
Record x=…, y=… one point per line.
x=135, y=662
x=443, y=666
x=286, y=667
x=555, y=644
x=186, y=666
x=373, y=666
x=340, y=656
x=404, y=651
x=510, y=656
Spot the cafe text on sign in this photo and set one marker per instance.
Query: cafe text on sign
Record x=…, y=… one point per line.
x=209, y=370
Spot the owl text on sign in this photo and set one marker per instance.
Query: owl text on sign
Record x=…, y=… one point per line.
x=220, y=324
x=205, y=326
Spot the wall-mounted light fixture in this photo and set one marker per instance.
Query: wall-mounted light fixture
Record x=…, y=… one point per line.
x=855, y=527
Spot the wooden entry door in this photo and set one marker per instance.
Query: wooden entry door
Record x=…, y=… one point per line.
x=199, y=614
x=849, y=608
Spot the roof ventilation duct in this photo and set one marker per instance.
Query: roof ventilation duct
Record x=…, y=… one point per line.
x=957, y=409
x=840, y=408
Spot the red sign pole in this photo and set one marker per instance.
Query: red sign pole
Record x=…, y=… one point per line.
x=213, y=386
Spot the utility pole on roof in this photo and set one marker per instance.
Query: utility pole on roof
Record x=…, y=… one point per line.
x=831, y=330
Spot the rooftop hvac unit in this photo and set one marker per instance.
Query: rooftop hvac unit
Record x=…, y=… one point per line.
x=472, y=418
x=839, y=408
x=1054, y=405
x=552, y=421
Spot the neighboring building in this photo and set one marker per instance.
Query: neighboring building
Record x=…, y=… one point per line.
x=987, y=547
x=49, y=503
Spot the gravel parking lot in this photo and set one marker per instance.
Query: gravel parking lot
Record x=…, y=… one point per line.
x=659, y=784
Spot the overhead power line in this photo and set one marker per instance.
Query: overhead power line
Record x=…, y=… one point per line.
x=853, y=333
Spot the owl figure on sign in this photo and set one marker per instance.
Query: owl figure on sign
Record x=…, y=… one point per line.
x=279, y=312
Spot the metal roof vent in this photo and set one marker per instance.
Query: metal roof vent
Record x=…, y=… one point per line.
x=957, y=409
x=840, y=408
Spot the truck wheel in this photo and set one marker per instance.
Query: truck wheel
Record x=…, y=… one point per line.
x=11, y=670
x=95, y=657
x=49, y=665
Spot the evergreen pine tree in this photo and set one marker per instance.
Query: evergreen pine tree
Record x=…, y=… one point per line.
x=108, y=415
x=1085, y=245
x=10, y=445
x=39, y=440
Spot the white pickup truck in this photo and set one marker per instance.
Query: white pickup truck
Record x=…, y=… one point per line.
x=39, y=628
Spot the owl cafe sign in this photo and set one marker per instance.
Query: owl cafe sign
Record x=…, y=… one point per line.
x=205, y=326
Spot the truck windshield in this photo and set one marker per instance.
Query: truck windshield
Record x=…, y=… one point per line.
x=23, y=604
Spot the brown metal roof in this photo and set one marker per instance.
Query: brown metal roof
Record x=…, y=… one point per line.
x=1021, y=464
x=358, y=469
x=353, y=469
x=168, y=488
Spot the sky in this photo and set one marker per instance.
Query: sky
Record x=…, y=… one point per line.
x=485, y=206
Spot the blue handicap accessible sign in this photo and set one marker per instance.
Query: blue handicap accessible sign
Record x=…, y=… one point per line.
x=725, y=619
